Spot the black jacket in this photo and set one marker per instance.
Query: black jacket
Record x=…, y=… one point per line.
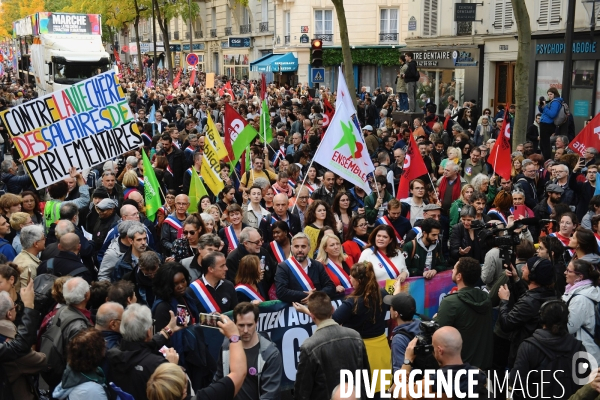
x=529, y=188
x=25, y=338
x=584, y=191
x=101, y=229
x=65, y=263
x=132, y=363
x=460, y=239
x=321, y=194
x=523, y=318
x=265, y=226
x=533, y=132
x=547, y=352
x=233, y=262
x=411, y=74
x=289, y=289
x=177, y=163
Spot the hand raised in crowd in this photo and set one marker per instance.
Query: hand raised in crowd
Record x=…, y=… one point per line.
x=308, y=293
x=227, y=327
x=504, y=293
x=172, y=356
x=512, y=273
x=301, y=308
x=28, y=294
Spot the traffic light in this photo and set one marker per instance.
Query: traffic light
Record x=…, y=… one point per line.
x=316, y=51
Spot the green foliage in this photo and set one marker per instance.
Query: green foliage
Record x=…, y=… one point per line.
x=384, y=57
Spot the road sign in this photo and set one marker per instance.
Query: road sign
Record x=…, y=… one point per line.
x=192, y=59
x=318, y=75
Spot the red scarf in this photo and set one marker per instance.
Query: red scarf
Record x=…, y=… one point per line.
x=455, y=188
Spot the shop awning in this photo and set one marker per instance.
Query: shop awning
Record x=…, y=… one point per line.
x=275, y=63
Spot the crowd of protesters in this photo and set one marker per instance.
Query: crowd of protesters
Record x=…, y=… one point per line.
x=125, y=294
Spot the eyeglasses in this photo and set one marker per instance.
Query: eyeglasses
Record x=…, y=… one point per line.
x=302, y=197
x=258, y=242
x=364, y=225
x=148, y=273
x=189, y=233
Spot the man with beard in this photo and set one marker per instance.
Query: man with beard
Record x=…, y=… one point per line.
x=586, y=189
x=424, y=253
x=394, y=219
x=546, y=207
x=299, y=276
x=138, y=241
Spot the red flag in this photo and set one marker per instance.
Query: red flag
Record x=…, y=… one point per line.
x=414, y=167
x=588, y=137
x=176, y=80
x=500, y=154
x=232, y=118
x=328, y=112
x=193, y=77
x=263, y=87
x=117, y=58
x=229, y=90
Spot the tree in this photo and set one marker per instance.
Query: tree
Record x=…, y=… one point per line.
x=521, y=71
x=348, y=70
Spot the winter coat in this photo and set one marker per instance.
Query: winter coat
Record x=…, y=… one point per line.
x=546, y=352
x=115, y=251
x=551, y=110
x=250, y=217
x=582, y=315
x=77, y=386
x=15, y=184
x=523, y=318
x=416, y=263
x=469, y=310
x=401, y=337
x=400, y=83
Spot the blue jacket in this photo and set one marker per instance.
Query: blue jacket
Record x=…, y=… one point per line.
x=7, y=249
x=15, y=184
x=550, y=111
x=402, y=335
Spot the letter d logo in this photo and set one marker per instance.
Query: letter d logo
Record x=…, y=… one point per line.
x=584, y=367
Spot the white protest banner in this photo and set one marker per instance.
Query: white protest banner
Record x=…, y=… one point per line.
x=80, y=126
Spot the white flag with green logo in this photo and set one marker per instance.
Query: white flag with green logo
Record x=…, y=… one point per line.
x=343, y=150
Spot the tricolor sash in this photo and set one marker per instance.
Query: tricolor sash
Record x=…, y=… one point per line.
x=337, y=274
x=273, y=219
x=169, y=170
x=597, y=240
x=298, y=272
x=189, y=171
x=231, y=238
x=386, y=221
x=310, y=188
x=564, y=240
x=201, y=291
x=249, y=292
x=275, y=190
x=292, y=183
x=360, y=243
x=175, y=224
x=146, y=137
x=190, y=149
x=176, y=145
x=387, y=264
x=141, y=181
x=127, y=192
x=494, y=212
x=277, y=251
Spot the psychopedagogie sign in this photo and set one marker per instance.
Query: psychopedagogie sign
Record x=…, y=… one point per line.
x=288, y=329
x=80, y=126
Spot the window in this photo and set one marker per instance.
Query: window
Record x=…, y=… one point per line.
x=388, y=20
x=430, y=17
x=503, y=16
x=198, y=25
x=213, y=14
x=287, y=23
x=245, y=16
x=265, y=10
x=227, y=16
x=323, y=22
x=549, y=17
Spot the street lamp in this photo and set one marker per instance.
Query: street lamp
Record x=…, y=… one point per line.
x=190, y=25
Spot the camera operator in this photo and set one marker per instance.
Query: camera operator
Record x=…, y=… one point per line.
x=470, y=311
x=447, y=349
x=521, y=319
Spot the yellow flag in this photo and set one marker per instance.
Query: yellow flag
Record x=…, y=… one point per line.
x=215, y=139
x=211, y=168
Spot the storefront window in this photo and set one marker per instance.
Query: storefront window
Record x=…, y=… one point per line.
x=549, y=75
x=236, y=66
x=437, y=85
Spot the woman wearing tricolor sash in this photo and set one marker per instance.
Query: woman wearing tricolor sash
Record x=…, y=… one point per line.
x=230, y=234
x=356, y=238
x=337, y=264
x=500, y=210
x=280, y=247
x=381, y=251
x=248, y=281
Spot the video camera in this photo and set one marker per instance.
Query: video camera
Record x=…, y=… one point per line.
x=424, y=346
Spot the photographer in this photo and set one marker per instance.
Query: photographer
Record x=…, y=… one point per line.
x=448, y=347
x=464, y=241
x=470, y=311
x=522, y=318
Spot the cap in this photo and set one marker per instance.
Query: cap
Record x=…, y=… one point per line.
x=431, y=207
x=543, y=270
x=100, y=193
x=499, y=119
x=368, y=128
x=554, y=188
x=106, y=204
x=404, y=304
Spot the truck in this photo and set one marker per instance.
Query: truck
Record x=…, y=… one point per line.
x=59, y=50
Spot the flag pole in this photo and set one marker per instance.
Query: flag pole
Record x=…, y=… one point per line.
x=302, y=185
x=433, y=186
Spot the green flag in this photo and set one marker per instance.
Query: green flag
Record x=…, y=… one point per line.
x=266, y=133
x=197, y=191
x=245, y=137
x=151, y=189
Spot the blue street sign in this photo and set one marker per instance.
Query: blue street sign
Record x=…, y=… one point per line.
x=317, y=75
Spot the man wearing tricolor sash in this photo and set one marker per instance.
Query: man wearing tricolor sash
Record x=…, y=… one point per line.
x=172, y=228
x=298, y=276
x=212, y=292
x=394, y=219
x=251, y=243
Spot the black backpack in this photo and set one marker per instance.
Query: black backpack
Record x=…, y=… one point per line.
x=42, y=287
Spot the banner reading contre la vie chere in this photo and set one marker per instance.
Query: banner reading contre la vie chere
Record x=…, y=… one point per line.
x=80, y=126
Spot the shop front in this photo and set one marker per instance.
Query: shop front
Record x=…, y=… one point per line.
x=448, y=71
x=280, y=68
x=547, y=72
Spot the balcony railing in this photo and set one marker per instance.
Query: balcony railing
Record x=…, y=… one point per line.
x=213, y=33
x=263, y=27
x=187, y=35
x=327, y=38
x=198, y=35
x=388, y=37
x=176, y=35
x=287, y=39
x=228, y=31
x=245, y=28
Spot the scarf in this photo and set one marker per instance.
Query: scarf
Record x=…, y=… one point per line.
x=569, y=288
x=455, y=188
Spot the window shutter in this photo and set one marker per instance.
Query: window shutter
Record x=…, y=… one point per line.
x=544, y=6
x=434, y=17
x=555, y=10
x=430, y=18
